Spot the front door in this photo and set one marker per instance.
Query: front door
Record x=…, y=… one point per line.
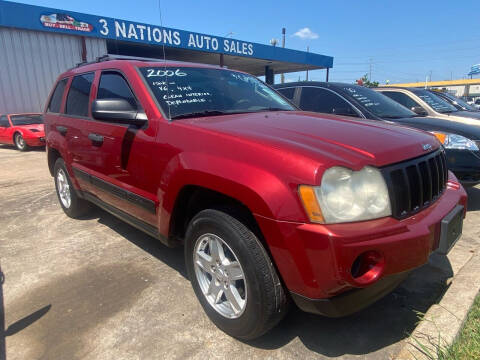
x=106, y=153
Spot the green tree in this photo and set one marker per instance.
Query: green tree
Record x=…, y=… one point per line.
x=365, y=81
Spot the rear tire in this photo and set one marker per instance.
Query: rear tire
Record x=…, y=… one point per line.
x=71, y=204
x=259, y=300
x=20, y=143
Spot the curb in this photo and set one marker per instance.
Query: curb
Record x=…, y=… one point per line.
x=443, y=321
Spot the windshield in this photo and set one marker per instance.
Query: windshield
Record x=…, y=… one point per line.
x=435, y=102
x=18, y=120
x=377, y=103
x=190, y=92
x=454, y=100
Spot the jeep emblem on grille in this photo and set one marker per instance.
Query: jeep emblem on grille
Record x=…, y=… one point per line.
x=426, y=147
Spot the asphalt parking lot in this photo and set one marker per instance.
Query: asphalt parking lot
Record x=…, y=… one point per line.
x=99, y=288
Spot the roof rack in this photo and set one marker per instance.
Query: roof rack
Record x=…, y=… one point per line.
x=110, y=57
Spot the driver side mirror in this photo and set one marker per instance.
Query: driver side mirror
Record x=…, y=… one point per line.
x=118, y=111
x=419, y=110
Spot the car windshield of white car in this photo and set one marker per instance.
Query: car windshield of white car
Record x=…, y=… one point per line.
x=435, y=102
x=19, y=120
x=184, y=92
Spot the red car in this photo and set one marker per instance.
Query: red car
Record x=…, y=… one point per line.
x=22, y=130
x=270, y=203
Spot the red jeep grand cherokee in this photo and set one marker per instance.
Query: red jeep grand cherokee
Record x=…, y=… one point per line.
x=271, y=203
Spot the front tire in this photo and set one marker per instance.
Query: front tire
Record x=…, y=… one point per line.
x=232, y=275
x=20, y=143
x=71, y=204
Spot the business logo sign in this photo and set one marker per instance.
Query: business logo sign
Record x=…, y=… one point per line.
x=64, y=21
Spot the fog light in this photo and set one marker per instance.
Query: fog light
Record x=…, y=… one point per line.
x=367, y=267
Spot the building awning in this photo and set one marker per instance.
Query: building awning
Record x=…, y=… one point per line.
x=139, y=39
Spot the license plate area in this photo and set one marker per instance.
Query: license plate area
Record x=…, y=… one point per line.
x=451, y=229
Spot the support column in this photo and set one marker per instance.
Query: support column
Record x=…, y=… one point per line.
x=328, y=71
x=269, y=76
x=221, y=60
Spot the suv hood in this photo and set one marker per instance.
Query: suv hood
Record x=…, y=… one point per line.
x=331, y=140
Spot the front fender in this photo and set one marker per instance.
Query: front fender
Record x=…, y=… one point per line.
x=262, y=192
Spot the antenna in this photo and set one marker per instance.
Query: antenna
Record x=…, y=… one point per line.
x=164, y=57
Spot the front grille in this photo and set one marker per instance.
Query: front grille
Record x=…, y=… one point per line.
x=415, y=184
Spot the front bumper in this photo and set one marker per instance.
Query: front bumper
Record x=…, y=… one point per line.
x=465, y=165
x=315, y=261
x=35, y=141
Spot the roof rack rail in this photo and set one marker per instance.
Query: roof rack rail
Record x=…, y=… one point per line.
x=110, y=57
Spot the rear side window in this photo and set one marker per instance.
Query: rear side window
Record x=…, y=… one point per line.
x=56, y=99
x=114, y=86
x=324, y=101
x=4, y=121
x=401, y=98
x=79, y=95
x=289, y=93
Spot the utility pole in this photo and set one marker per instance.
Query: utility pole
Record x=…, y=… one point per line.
x=282, y=77
x=370, y=71
x=308, y=50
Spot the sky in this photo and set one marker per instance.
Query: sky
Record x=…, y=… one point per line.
x=398, y=41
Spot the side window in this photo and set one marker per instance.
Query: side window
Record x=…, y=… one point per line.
x=114, y=86
x=4, y=121
x=56, y=99
x=79, y=95
x=401, y=98
x=289, y=93
x=324, y=101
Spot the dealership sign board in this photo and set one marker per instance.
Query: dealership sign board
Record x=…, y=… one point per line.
x=475, y=69
x=69, y=22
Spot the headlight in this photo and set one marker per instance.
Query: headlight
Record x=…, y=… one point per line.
x=454, y=141
x=347, y=196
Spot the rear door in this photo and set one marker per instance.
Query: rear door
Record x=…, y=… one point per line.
x=4, y=130
x=326, y=101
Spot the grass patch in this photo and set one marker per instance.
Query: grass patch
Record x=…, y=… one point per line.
x=467, y=346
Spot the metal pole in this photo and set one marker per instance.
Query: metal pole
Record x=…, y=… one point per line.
x=282, y=77
x=327, y=74
x=221, y=60
x=308, y=50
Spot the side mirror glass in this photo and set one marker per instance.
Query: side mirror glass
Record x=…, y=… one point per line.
x=118, y=111
x=419, y=110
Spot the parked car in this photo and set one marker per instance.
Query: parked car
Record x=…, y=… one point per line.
x=460, y=140
x=22, y=130
x=271, y=203
x=425, y=103
x=455, y=101
x=476, y=103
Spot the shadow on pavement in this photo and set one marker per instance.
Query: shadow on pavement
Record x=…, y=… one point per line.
x=384, y=323
x=173, y=257
x=26, y=321
x=473, y=198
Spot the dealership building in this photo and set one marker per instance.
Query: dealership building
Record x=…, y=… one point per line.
x=38, y=43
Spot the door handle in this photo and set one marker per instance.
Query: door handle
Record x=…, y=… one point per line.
x=96, y=139
x=62, y=130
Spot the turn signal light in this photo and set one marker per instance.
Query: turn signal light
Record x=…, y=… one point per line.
x=310, y=203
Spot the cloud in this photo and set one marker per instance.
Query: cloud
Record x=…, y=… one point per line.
x=306, y=33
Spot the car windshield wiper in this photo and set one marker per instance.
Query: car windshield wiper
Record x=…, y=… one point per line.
x=392, y=117
x=273, y=109
x=200, y=114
